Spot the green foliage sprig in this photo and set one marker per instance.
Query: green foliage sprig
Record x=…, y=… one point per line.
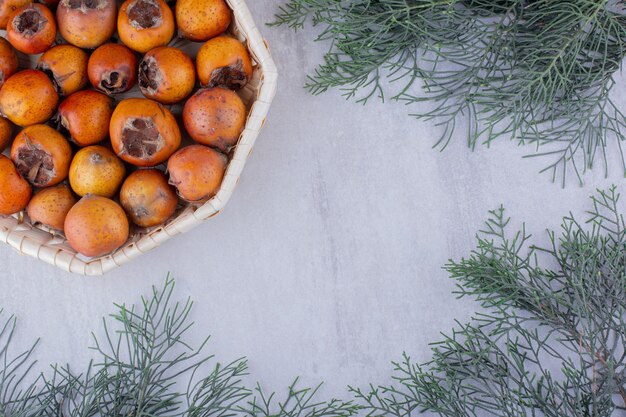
x=537, y=71
x=551, y=340
x=146, y=368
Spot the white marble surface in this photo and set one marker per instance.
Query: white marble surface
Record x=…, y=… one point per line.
x=327, y=261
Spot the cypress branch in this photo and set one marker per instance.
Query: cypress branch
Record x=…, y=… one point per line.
x=536, y=71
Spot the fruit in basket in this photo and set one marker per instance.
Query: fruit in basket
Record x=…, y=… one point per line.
x=7, y=7
x=143, y=132
x=50, y=206
x=15, y=191
x=8, y=60
x=42, y=155
x=167, y=75
x=77, y=194
x=112, y=68
x=87, y=23
x=225, y=62
x=197, y=172
x=200, y=20
x=147, y=198
x=145, y=24
x=28, y=98
x=96, y=226
x=215, y=117
x=96, y=170
x=32, y=29
x=86, y=115
x=5, y=133
x=66, y=66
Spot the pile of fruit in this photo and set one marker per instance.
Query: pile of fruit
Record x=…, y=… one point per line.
x=83, y=162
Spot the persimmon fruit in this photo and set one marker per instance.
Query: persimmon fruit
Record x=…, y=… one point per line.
x=42, y=155
x=66, y=66
x=224, y=62
x=215, y=117
x=96, y=170
x=87, y=23
x=31, y=29
x=86, y=115
x=148, y=198
x=9, y=62
x=143, y=132
x=167, y=75
x=28, y=98
x=112, y=69
x=197, y=172
x=96, y=226
x=15, y=191
x=145, y=24
x=201, y=20
x=49, y=206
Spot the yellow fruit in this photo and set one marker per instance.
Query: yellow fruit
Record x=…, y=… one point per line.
x=96, y=170
x=224, y=62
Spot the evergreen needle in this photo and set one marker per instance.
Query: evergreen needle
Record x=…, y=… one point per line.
x=551, y=340
x=537, y=71
x=146, y=368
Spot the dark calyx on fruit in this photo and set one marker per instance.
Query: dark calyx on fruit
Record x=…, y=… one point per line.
x=141, y=138
x=29, y=22
x=35, y=165
x=232, y=77
x=113, y=82
x=149, y=75
x=141, y=212
x=96, y=158
x=85, y=4
x=56, y=81
x=144, y=14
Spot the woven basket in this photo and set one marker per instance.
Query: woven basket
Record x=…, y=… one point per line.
x=257, y=94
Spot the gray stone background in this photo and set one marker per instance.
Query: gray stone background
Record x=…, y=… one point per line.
x=327, y=261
